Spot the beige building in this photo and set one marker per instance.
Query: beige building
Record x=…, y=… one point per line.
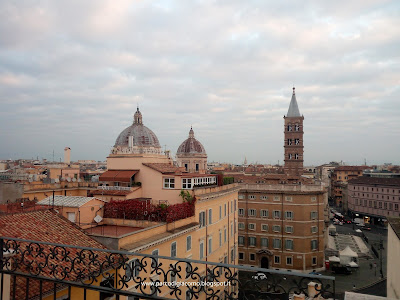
x=393, y=259
x=79, y=210
x=282, y=226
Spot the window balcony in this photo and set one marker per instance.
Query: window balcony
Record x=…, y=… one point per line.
x=40, y=270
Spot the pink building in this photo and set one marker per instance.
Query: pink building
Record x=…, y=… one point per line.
x=374, y=197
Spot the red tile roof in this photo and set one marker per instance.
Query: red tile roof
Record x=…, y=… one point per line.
x=162, y=167
x=45, y=226
x=118, y=175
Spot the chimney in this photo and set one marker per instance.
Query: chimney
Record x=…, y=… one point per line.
x=67, y=155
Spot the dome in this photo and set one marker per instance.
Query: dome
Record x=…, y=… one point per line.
x=141, y=135
x=191, y=145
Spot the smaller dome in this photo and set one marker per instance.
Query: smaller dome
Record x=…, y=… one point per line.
x=191, y=145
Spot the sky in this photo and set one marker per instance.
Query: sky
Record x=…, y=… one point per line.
x=73, y=72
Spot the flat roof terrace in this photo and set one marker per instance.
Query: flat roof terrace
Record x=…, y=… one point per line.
x=112, y=230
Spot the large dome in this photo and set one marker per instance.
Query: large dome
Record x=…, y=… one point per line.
x=191, y=145
x=137, y=135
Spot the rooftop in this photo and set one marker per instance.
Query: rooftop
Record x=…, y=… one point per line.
x=162, y=167
x=394, y=181
x=70, y=201
x=112, y=230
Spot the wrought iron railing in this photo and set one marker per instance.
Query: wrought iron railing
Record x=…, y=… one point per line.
x=36, y=270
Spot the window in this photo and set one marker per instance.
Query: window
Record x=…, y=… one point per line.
x=173, y=249
x=231, y=228
x=241, y=240
x=252, y=226
x=276, y=228
x=313, y=215
x=296, y=156
x=289, y=244
x=297, y=127
x=252, y=197
x=154, y=261
x=252, y=212
x=220, y=212
x=296, y=141
x=201, y=249
x=264, y=197
x=188, y=243
x=313, y=198
x=252, y=257
x=202, y=219
x=210, y=245
x=241, y=255
x=264, y=242
x=290, y=156
x=289, y=229
x=264, y=213
x=225, y=210
x=289, y=215
x=277, y=243
x=252, y=241
x=197, y=167
x=277, y=259
x=314, y=244
x=314, y=260
x=210, y=216
x=186, y=167
x=186, y=183
x=289, y=128
x=241, y=226
x=224, y=234
x=231, y=206
x=276, y=198
x=241, y=212
x=289, y=198
x=235, y=204
x=264, y=227
x=277, y=214
x=396, y=206
x=314, y=229
x=169, y=183
x=289, y=260
x=289, y=142
x=241, y=197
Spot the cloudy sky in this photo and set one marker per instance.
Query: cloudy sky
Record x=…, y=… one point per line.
x=73, y=72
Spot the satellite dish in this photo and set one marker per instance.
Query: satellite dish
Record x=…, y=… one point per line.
x=57, y=180
x=73, y=179
x=68, y=179
x=98, y=219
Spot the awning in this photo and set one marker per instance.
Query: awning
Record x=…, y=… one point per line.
x=118, y=175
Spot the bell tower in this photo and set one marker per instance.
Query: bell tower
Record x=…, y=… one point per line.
x=293, y=144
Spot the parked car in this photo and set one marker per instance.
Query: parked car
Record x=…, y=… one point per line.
x=341, y=270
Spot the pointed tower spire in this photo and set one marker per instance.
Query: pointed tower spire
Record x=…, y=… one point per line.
x=293, y=107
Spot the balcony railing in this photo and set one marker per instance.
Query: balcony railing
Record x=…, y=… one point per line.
x=114, y=188
x=40, y=270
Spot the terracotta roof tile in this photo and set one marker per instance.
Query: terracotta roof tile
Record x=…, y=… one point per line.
x=46, y=226
x=162, y=167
